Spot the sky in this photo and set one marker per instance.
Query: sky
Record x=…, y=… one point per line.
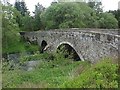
x=107, y=4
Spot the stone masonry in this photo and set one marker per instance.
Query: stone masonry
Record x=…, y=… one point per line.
x=89, y=44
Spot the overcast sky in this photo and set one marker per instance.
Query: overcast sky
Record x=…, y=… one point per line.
x=107, y=4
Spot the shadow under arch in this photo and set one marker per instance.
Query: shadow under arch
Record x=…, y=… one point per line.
x=43, y=45
x=70, y=48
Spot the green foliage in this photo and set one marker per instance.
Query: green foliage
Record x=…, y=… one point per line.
x=50, y=74
x=102, y=75
x=37, y=20
x=107, y=20
x=77, y=15
x=57, y=57
x=21, y=7
x=117, y=15
x=66, y=15
x=97, y=6
x=62, y=73
x=44, y=56
x=31, y=47
x=27, y=23
x=23, y=19
x=10, y=30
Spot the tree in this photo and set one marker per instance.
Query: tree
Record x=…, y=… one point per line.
x=117, y=15
x=37, y=20
x=38, y=9
x=76, y=15
x=107, y=20
x=67, y=15
x=27, y=23
x=21, y=6
x=97, y=6
x=10, y=29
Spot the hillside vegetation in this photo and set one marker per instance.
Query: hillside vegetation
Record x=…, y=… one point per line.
x=62, y=72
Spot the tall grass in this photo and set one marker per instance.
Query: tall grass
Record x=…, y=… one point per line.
x=50, y=73
x=101, y=75
x=60, y=72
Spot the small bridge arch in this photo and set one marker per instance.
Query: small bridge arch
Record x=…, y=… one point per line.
x=43, y=45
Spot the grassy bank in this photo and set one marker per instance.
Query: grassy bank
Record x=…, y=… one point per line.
x=65, y=73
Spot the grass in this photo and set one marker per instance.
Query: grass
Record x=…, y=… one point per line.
x=64, y=73
x=101, y=75
x=19, y=46
x=46, y=74
x=42, y=56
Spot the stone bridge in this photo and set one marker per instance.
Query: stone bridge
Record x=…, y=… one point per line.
x=89, y=44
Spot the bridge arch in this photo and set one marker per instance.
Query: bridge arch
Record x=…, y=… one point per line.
x=43, y=45
x=71, y=47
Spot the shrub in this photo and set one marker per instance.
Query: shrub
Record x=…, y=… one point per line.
x=102, y=75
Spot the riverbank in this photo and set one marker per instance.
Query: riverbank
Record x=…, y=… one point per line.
x=64, y=72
